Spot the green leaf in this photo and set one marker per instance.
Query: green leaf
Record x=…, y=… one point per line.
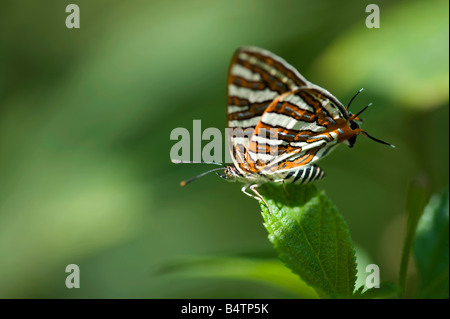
x=311, y=238
x=431, y=247
x=363, y=259
x=386, y=290
x=268, y=271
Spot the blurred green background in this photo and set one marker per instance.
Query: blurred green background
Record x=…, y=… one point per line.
x=86, y=115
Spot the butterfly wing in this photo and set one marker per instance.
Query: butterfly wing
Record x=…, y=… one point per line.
x=256, y=77
x=296, y=129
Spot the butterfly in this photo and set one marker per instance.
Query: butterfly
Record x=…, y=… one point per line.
x=280, y=124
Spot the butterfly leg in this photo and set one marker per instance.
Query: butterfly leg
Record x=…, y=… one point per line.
x=244, y=190
x=258, y=195
x=285, y=190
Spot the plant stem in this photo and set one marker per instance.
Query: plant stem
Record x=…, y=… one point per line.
x=417, y=198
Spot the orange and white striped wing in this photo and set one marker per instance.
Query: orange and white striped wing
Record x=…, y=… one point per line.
x=297, y=129
x=256, y=78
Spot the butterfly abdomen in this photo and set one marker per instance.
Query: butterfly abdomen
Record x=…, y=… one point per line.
x=306, y=175
x=303, y=175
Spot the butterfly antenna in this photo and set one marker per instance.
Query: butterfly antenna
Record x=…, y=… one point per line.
x=195, y=162
x=353, y=98
x=377, y=140
x=184, y=183
x=357, y=114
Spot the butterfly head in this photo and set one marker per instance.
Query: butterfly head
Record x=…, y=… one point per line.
x=353, y=130
x=230, y=174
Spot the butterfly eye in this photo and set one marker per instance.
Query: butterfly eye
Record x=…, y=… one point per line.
x=227, y=173
x=222, y=175
x=354, y=125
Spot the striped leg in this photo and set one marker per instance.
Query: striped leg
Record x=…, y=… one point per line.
x=285, y=190
x=244, y=190
x=257, y=195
